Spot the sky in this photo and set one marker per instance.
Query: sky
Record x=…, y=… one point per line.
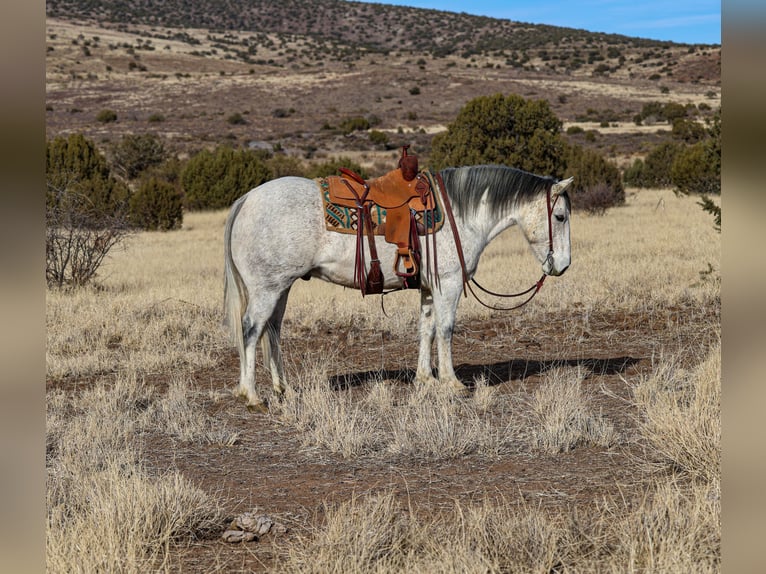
x=682, y=21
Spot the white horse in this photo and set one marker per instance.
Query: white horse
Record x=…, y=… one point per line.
x=276, y=234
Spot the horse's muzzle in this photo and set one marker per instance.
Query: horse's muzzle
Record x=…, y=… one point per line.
x=550, y=268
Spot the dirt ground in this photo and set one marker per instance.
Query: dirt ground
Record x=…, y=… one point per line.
x=270, y=471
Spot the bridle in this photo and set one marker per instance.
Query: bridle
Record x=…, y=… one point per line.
x=534, y=289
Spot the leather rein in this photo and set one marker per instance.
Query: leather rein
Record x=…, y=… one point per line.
x=534, y=289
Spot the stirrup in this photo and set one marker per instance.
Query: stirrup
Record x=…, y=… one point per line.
x=410, y=267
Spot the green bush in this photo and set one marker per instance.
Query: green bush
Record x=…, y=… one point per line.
x=214, y=179
x=636, y=174
x=73, y=166
x=356, y=123
x=694, y=170
x=85, y=211
x=106, y=116
x=688, y=131
x=378, y=138
x=134, y=154
x=282, y=165
x=506, y=130
x=156, y=205
x=597, y=182
x=659, y=164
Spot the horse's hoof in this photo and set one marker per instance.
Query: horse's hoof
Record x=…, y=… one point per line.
x=259, y=407
x=458, y=388
x=426, y=381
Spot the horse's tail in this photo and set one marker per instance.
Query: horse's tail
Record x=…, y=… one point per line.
x=234, y=290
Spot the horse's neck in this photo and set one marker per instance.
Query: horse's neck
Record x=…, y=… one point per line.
x=480, y=228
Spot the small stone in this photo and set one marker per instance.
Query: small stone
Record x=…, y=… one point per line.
x=238, y=536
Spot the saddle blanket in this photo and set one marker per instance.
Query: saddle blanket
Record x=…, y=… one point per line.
x=344, y=219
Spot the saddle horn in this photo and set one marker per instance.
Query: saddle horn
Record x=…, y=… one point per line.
x=408, y=164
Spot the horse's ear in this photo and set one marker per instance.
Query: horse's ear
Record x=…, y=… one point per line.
x=560, y=186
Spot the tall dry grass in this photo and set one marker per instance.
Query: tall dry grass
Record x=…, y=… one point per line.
x=157, y=309
x=429, y=423
x=675, y=528
x=108, y=512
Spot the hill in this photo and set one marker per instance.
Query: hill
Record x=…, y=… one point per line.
x=293, y=72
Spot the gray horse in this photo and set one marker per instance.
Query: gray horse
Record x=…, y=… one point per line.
x=276, y=234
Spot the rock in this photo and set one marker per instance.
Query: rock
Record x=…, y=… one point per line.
x=238, y=536
x=249, y=526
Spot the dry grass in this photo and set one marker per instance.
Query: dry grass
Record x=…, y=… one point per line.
x=426, y=422
x=682, y=418
x=562, y=415
x=429, y=423
x=106, y=510
x=674, y=530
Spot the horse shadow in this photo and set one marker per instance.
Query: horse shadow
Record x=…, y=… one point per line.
x=493, y=373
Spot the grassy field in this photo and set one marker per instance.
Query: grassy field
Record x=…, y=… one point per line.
x=124, y=386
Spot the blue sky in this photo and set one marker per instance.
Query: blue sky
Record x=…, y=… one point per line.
x=683, y=21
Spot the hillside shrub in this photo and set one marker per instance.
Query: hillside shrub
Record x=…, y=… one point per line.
x=597, y=182
x=157, y=205
x=236, y=119
x=355, y=123
x=658, y=112
x=85, y=211
x=75, y=167
x=505, y=130
x=694, y=170
x=135, y=153
x=214, y=179
x=106, y=116
x=378, y=138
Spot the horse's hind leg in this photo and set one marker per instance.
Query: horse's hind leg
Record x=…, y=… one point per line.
x=271, y=347
x=246, y=387
x=255, y=324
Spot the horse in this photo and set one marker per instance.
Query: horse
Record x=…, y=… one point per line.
x=275, y=234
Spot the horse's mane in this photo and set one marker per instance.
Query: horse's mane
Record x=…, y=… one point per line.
x=505, y=186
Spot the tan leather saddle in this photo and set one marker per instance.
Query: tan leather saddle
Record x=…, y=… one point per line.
x=402, y=193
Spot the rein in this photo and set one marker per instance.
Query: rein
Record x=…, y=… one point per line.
x=534, y=289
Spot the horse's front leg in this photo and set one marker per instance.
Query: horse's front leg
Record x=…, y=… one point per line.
x=424, y=375
x=446, y=302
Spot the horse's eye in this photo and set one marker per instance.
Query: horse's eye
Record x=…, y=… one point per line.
x=561, y=218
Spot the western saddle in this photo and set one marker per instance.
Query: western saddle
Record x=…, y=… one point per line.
x=408, y=205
